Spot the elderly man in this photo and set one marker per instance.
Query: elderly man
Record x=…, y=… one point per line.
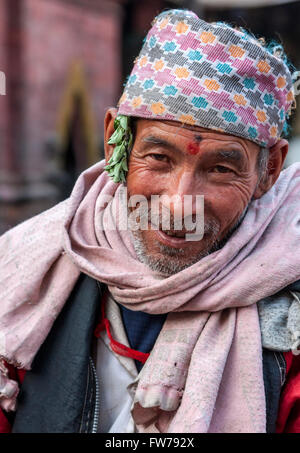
x=128, y=325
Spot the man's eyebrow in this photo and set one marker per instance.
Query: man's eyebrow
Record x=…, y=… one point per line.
x=152, y=139
x=230, y=154
x=234, y=156
x=155, y=140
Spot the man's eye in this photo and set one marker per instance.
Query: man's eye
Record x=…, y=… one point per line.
x=159, y=157
x=221, y=169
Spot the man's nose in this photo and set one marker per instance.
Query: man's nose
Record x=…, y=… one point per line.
x=181, y=191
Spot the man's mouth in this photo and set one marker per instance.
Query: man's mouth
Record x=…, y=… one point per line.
x=172, y=238
x=175, y=234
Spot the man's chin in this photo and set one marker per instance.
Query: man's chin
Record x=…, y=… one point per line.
x=165, y=259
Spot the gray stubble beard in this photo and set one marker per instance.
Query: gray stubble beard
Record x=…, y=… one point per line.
x=170, y=262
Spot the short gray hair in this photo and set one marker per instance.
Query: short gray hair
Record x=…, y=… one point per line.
x=262, y=163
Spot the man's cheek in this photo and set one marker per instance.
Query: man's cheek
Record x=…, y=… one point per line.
x=242, y=191
x=233, y=201
x=224, y=213
x=143, y=183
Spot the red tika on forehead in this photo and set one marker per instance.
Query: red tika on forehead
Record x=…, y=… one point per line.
x=193, y=148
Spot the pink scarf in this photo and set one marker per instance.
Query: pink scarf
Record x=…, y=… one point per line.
x=205, y=371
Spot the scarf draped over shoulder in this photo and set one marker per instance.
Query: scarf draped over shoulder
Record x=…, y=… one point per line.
x=204, y=373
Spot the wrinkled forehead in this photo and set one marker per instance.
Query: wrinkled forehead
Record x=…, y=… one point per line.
x=173, y=130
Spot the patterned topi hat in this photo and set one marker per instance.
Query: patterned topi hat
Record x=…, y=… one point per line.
x=210, y=75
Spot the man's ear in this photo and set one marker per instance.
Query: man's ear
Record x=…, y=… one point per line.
x=277, y=155
x=109, y=129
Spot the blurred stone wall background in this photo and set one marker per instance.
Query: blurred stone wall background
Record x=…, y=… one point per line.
x=65, y=63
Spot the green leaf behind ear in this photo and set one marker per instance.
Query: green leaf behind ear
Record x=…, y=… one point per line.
x=124, y=120
x=116, y=137
x=117, y=167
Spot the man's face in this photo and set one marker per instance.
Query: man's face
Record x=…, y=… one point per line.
x=169, y=159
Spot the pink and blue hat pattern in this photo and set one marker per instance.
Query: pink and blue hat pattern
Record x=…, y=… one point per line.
x=209, y=75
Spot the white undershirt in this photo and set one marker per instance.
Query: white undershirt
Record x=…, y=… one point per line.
x=115, y=373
